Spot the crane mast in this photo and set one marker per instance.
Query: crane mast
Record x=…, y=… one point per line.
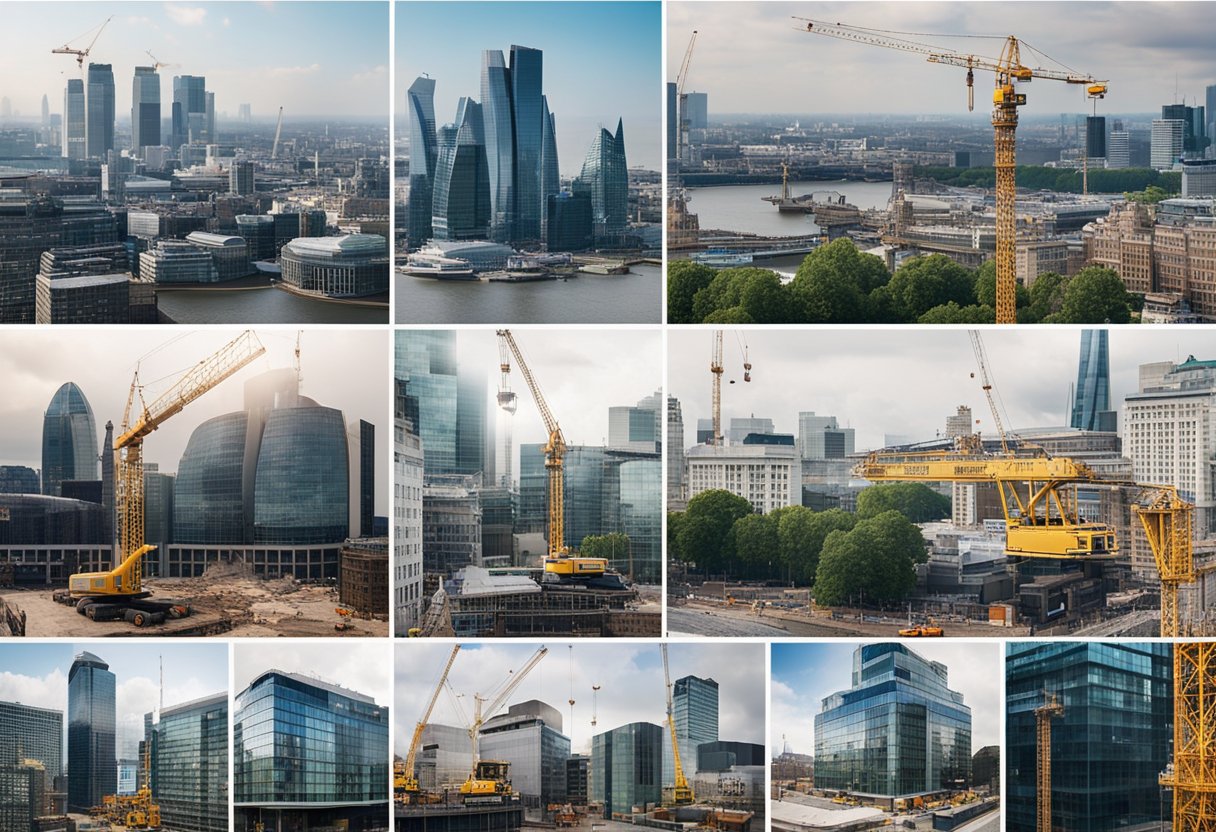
x=408, y=783
x=715, y=367
x=681, y=792
x=1043, y=715
x=682, y=99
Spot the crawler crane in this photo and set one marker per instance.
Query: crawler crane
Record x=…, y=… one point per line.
x=681, y=792
x=405, y=783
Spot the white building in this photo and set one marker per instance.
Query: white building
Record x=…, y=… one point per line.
x=1166, y=148
x=1199, y=178
x=820, y=437
x=407, y=526
x=767, y=476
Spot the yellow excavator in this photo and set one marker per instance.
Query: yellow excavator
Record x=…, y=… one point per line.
x=405, y=783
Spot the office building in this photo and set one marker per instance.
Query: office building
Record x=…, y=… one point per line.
x=741, y=427
x=69, y=439
x=675, y=450
x=724, y=755
x=1109, y=745
x=1118, y=150
x=634, y=429
x=445, y=757
x=767, y=476
x=74, y=146
x=673, y=125
x=240, y=178
x=29, y=732
x=424, y=153
x=1095, y=137
x=19, y=479
x=550, y=174
x=230, y=254
x=309, y=753
x=1091, y=404
x=353, y=265
x=158, y=505
x=626, y=767
x=178, y=261
x=695, y=705
x=1198, y=178
x=23, y=791
x=529, y=737
x=91, y=759
x=88, y=299
x=460, y=208
x=451, y=523
x=577, y=771
x=899, y=730
x=1166, y=147
x=191, y=765
x=529, y=114
x=189, y=113
x=498, y=119
x=696, y=110
x=820, y=437
x=145, y=108
x=605, y=176
x=408, y=455
x=568, y=222
x=99, y=111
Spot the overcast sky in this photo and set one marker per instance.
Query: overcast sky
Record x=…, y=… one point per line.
x=35, y=362
x=906, y=381
x=630, y=676
x=37, y=674
x=314, y=58
x=749, y=57
x=803, y=674
x=360, y=665
x=602, y=61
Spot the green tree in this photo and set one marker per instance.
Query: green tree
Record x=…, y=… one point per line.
x=800, y=536
x=704, y=536
x=952, y=313
x=765, y=299
x=613, y=547
x=675, y=521
x=915, y=501
x=1046, y=296
x=684, y=279
x=832, y=282
x=925, y=282
x=729, y=315
x=874, y=562
x=1095, y=295
x=1150, y=195
x=756, y=548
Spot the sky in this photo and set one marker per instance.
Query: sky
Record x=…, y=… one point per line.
x=630, y=676
x=750, y=58
x=360, y=666
x=311, y=58
x=35, y=363
x=602, y=61
x=37, y=674
x=906, y=381
x=803, y=674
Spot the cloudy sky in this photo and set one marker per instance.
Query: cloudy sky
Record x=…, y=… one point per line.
x=360, y=665
x=630, y=676
x=750, y=58
x=906, y=381
x=602, y=61
x=35, y=363
x=803, y=674
x=37, y=674
x=313, y=59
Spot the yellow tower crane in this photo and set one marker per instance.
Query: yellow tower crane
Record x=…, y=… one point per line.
x=681, y=792
x=1193, y=773
x=1009, y=71
x=1043, y=715
x=405, y=783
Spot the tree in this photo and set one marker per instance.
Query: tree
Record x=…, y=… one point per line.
x=872, y=562
x=765, y=299
x=1095, y=295
x=675, y=521
x=756, y=546
x=684, y=279
x=613, y=547
x=915, y=501
x=704, y=534
x=952, y=313
x=1150, y=195
x=729, y=315
x=832, y=282
x=1046, y=296
x=800, y=536
x=925, y=282
x=730, y=289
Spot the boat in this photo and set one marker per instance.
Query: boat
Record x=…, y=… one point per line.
x=419, y=264
x=721, y=258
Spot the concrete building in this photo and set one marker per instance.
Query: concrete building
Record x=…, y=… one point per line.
x=408, y=466
x=1118, y=148
x=88, y=299
x=1198, y=178
x=91, y=760
x=445, y=758
x=451, y=524
x=1166, y=143
x=820, y=437
x=1032, y=259
x=626, y=767
x=676, y=480
x=767, y=476
x=229, y=252
x=177, y=261
x=529, y=737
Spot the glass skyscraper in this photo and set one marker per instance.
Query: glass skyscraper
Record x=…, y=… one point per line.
x=605, y=177
x=420, y=102
x=69, y=439
x=627, y=766
x=1110, y=744
x=189, y=109
x=425, y=360
x=529, y=115
x=898, y=731
x=1091, y=405
x=302, y=486
x=191, y=765
x=694, y=703
x=550, y=175
x=145, y=108
x=209, y=498
x=92, y=763
x=28, y=732
x=99, y=111
x=461, y=187
x=73, y=120
x=498, y=118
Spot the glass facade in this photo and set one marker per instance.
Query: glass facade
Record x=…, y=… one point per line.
x=461, y=201
x=92, y=762
x=301, y=490
x=301, y=742
x=426, y=361
x=73, y=119
x=69, y=439
x=420, y=101
x=640, y=514
x=191, y=765
x=626, y=767
x=497, y=116
x=189, y=99
x=529, y=737
x=550, y=175
x=529, y=110
x=209, y=499
x=99, y=111
x=605, y=177
x=694, y=703
x=898, y=731
x=31, y=733
x=353, y=265
x=1110, y=744
x=1093, y=383
x=145, y=108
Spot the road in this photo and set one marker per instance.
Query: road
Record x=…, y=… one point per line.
x=700, y=622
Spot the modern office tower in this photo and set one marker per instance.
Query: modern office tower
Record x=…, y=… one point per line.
x=723, y=755
x=577, y=774
x=190, y=765
x=74, y=146
x=1118, y=151
x=626, y=767
x=820, y=437
x=244, y=113
x=1091, y=405
x=425, y=360
x=675, y=450
x=189, y=110
x=633, y=429
x=99, y=111
x=177, y=261
x=605, y=176
x=408, y=455
x=550, y=175
x=1198, y=178
x=92, y=763
x=673, y=124
x=459, y=190
x=1108, y=747
x=529, y=737
x=309, y=753
x=694, y=703
x=1095, y=137
x=352, y=265
x=472, y=427
x=1191, y=138
x=767, y=476
x=28, y=732
x=302, y=487
x=705, y=431
x=46, y=111
x=529, y=114
x=69, y=439
x=1209, y=111
x=158, y=505
x=19, y=479
x=258, y=233
x=209, y=501
x=145, y=108
x=210, y=117
x=741, y=427
x=86, y=299
x=1166, y=148
x=240, y=178
x=696, y=110
x=568, y=222
x=424, y=152
x=498, y=119
x=898, y=731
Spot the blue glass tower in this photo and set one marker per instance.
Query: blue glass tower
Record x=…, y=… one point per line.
x=145, y=108
x=499, y=119
x=461, y=199
x=302, y=488
x=530, y=113
x=189, y=109
x=92, y=764
x=695, y=707
x=550, y=177
x=1091, y=405
x=605, y=176
x=425, y=362
x=209, y=497
x=627, y=766
x=99, y=110
x=69, y=440
x=420, y=100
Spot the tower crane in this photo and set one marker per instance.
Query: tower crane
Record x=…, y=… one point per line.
x=157, y=63
x=81, y=54
x=681, y=792
x=488, y=780
x=682, y=99
x=595, y=690
x=1043, y=715
x=1009, y=71
x=715, y=367
x=124, y=583
x=981, y=359
x=405, y=783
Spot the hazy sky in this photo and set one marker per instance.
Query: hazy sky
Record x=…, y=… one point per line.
x=37, y=674
x=35, y=362
x=630, y=676
x=359, y=665
x=803, y=674
x=602, y=61
x=749, y=57
x=906, y=381
x=311, y=58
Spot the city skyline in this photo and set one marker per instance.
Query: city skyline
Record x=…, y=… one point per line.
x=325, y=58
x=630, y=677
x=912, y=388
x=1145, y=51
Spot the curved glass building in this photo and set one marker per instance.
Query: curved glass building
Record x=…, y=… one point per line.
x=301, y=490
x=605, y=176
x=352, y=265
x=420, y=99
x=69, y=439
x=462, y=182
x=498, y=117
x=209, y=499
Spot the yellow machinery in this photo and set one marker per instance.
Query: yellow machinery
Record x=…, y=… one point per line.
x=126, y=581
x=1193, y=774
x=405, y=784
x=488, y=781
x=1167, y=524
x=715, y=368
x=1009, y=71
x=1043, y=715
x=559, y=560
x=681, y=792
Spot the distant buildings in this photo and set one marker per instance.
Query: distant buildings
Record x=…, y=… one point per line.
x=459, y=187
x=626, y=767
x=766, y=475
x=192, y=123
x=74, y=146
x=145, y=108
x=1198, y=178
x=69, y=439
x=1166, y=143
x=92, y=761
x=1091, y=404
x=820, y=437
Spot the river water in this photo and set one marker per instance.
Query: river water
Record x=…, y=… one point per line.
x=634, y=298
x=265, y=305
x=742, y=207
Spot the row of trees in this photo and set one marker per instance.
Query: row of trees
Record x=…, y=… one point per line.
x=838, y=284
x=1035, y=177
x=869, y=554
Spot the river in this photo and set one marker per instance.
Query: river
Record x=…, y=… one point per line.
x=264, y=305
x=742, y=207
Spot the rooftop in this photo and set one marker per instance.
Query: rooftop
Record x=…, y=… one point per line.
x=370, y=244
x=64, y=283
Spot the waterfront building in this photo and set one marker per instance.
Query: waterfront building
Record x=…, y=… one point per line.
x=767, y=476
x=498, y=120
x=695, y=707
x=605, y=176
x=460, y=185
x=899, y=730
x=92, y=762
x=1091, y=404
x=230, y=253
x=353, y=265
x=529, y=115
x=69, y=439
x=1167, y=138
x=145, y=108
x=191, y=765
x=178, y=261
x=86, y=299
x=74, y=146
x=550, y=175
x=99, y=111
x=258, y=232
x=529, y=737
x=626, y=767
x=424, y=152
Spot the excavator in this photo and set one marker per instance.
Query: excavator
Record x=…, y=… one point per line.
x=405, y=783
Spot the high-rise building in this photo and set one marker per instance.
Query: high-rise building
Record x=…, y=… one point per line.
x=498, y=118
x=472, y=426
x=99, y=111
x=605, y=176
x=767, y=476
x=460, y=184
x=46, y=111
x=675, y=450
x=626, y=767
x=1091, y=406
x=1192, y=127
x=1118, y=151
x=820, y=437
x=145, y=108
x=240, y=178
x=1167, y=140
x=673, y=127
x=633, y=429
x=28, y=732
x=191, y=765
x=92, y=762
x=424, y=151
x=1095, y=137
x=69, y=439
x=1102, y=778
x=189, y=114
x=741, y=427
x=1198, y=178
x=694, y=703
x=899, y=730
x=550, y=175
x=74, y=146
x=529, y=114
x=426, y=362
x=529, y=737
x=408, y=465
x=696, y=110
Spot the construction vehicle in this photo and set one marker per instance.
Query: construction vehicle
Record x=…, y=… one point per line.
x=488, y=782
x=1043, y=715
x=405, y=783
x=681, y=792
x=81, y=54
x=1009, y=71
x=120, y=591
x=564, y=815
x=344, y=617
x=930, y=630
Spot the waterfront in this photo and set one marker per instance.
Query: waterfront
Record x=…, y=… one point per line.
x=742, y=207
x=634, y=298
x=261, y=306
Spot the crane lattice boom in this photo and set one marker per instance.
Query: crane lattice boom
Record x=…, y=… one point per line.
x=410, y=782
x=681, y=792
